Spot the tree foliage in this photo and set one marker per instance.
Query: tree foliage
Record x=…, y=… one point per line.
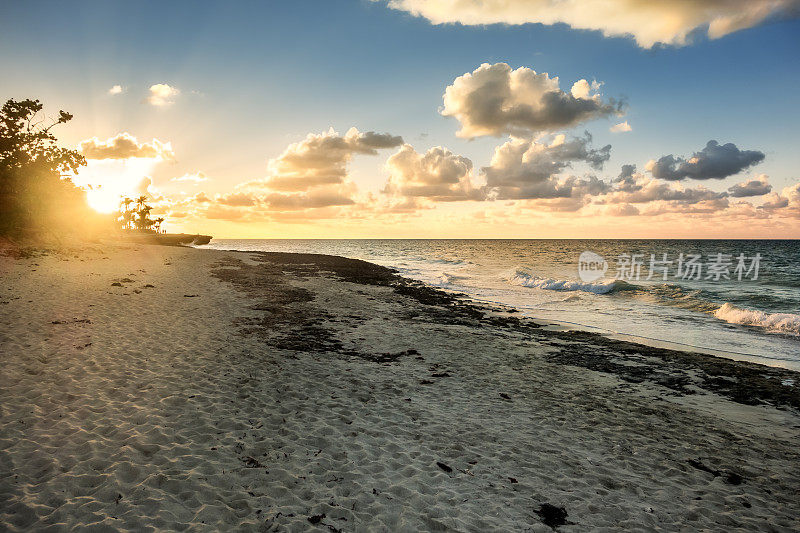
x=36, y=193
x=138, y=216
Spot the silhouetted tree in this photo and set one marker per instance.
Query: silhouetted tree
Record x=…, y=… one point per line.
x=137, y=217
x=35, y=190
x=125, y=215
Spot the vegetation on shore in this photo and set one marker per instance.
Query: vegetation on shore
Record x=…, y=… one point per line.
x=39, y=202
x=37, y=196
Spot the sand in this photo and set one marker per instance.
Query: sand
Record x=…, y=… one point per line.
x=148, y=388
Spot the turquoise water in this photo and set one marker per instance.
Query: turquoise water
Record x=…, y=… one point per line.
x=755, y=318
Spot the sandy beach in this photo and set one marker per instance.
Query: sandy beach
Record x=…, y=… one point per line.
x=153, y=388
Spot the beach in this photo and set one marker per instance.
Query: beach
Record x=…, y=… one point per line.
x=148, y=388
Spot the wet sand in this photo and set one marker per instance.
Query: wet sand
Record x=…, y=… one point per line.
x=149, y=388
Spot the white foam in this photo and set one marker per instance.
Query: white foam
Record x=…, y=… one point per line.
x=777, y=322
x=525, y=279
x=446, y=278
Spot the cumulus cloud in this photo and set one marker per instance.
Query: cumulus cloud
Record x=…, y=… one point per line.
x=755, y=187
x=635, y=193
x=116, y=89
x=622, y=127
x=786, y=203
x=654, y=191
x=125, y=146
x=310, y=176
x=322, y=159
x=320, y=197
x=238, y=199
x=671, y=22
x=715, y=161
x=526, y=169
x=496, y=100
x=438, y=174
x=162, y=94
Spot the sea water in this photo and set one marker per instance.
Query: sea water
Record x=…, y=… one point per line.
x=727, y=306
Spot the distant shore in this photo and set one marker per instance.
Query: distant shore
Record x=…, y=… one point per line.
x=171, y=387
x=167, y=239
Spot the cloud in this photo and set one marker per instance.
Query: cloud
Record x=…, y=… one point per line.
x=654, y=191
x=621, y=210
x=439, y=175
x=237, y=199
x=116, y=89
x=622, y=127
x=322, y=159
x=200, y=198
x=671, y=22
x=785, y=203
x=754, y=187
x=125, y=146
x=715, y=161
x=309, y=177
x=197, y=177
x=496, y=100
x=162, y=94
x=523, y=169
x=320, y=197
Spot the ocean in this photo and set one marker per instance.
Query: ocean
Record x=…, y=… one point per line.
x=731, y=298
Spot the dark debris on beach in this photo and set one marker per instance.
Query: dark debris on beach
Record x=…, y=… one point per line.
x=286, y=324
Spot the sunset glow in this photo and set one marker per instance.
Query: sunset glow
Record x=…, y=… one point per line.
x=490, y=119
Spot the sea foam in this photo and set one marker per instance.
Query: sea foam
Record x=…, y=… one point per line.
x=777, y=322
x=526, y=279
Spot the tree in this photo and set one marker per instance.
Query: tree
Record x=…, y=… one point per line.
x=125, y=214
x=158, y=222
x=36, y=193
x=143, y=221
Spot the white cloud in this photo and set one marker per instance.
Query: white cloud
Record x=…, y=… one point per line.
x=785, y=203
x=196, y=177
x=622, y=127
x=322, y=159
x=162, y=94
x=649, y=22
x=439, y=175
x=116, y=89
x=125, y=146
x=497, y=100
x=523, y=169
x=310, y=176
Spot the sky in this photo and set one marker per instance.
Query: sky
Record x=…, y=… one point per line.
x=435, y=119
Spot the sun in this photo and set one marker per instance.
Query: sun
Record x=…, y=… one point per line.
x=107, y=181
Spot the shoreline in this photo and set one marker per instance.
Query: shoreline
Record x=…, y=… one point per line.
x=764, y=381
x=690, y=323
x=182, y=388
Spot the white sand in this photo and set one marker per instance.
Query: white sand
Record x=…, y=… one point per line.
x=158, y=414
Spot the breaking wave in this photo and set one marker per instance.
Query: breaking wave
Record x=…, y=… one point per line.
x=446, y=278
x=776, y=322
x=526, y=279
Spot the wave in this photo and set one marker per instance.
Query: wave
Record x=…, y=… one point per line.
x=775, y=322
x=525, y=279
x=446, y=278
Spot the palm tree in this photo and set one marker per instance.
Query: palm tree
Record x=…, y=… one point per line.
x=158, y=222
x=144, y=221
x=125, y=214
x=140, y=202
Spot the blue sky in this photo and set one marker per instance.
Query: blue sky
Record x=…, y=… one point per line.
x=256, y=76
